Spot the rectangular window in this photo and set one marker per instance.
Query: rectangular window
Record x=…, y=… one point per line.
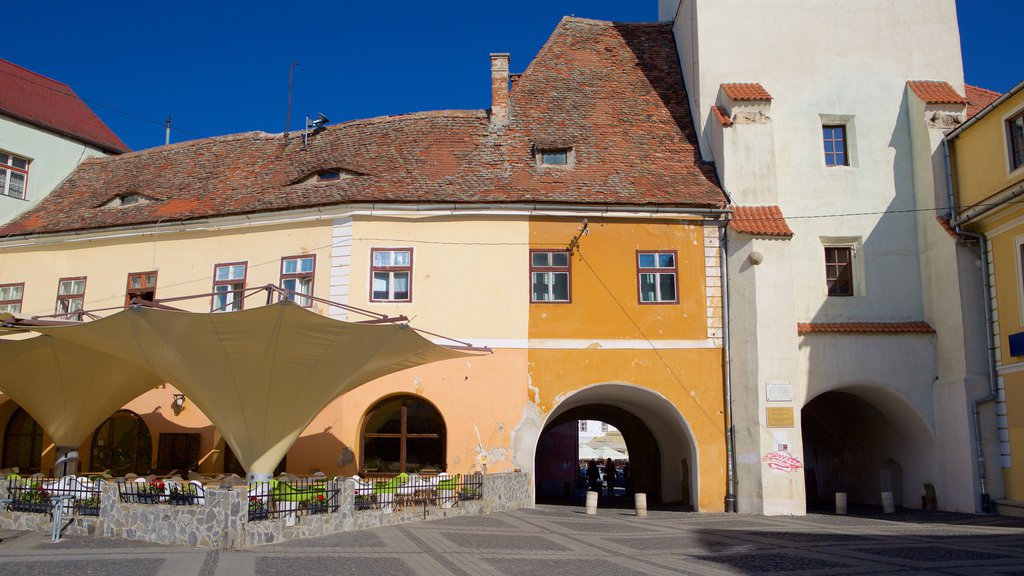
x=297, y=278
x=70, y=296
x=13, y=175
x=839, y=270
x=553, y=157
x=835, y=145
x=228, y=284
x=549, y=276
x=1015, y=129
x=583, y=425
x=141, y=285
x=391, y=271
x=10, y=297
x=657, y=277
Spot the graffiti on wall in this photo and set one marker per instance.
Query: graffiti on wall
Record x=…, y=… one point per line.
x=782, y=461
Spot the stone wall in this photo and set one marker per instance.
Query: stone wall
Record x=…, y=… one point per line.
x=221, y=520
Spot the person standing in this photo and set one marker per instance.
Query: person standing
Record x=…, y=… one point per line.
x=609, y=476
x=593, y=476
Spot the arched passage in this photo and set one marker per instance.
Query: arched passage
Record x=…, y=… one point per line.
x=863, y=440
x=662, y=454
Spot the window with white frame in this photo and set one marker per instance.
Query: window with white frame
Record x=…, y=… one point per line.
x=550, y=276
x=656, y=273
x=10, y=297
x=13, y=175
x=297, y=278
x=583, y=425
x=1015, y=133
x=391, y=275
x=228, y=286
x=562, y=157
x=604, y=426
x=70, y=296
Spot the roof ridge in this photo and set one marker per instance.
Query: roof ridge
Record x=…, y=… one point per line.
x=992, y=92
x=34, y=73
x=597, y=21
x=180, y=145
x=476, y=113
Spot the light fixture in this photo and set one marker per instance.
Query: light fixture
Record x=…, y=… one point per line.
x=179, y=402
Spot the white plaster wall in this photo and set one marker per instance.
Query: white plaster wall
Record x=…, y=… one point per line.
x=53, y=158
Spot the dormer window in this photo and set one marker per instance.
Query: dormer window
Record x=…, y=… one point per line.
x=554, y=156
x=328, y=176
x=128, y=200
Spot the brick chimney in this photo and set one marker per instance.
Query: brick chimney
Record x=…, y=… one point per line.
x=499, y=90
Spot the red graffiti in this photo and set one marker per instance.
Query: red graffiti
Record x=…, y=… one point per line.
x=782, y=462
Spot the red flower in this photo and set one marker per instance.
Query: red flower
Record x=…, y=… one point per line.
x=320, y=497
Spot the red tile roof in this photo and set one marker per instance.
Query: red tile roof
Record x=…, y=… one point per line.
x=722, y=116
x=864, y=328
x=611, y=91
x=741, y=92
x=978, y=99
x=932, y=92
x=760, y=221
x=53, y=105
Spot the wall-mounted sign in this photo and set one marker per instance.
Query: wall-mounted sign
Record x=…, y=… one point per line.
x=780, y=392
x=781, y=418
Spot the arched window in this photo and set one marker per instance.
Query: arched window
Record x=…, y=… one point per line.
x=403, y=434
x=23, y=443
x=121, y=445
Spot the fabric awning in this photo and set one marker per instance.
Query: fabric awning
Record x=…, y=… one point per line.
x=260, y=375
x=69, y=389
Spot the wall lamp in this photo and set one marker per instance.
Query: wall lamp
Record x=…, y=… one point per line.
x=178, y=403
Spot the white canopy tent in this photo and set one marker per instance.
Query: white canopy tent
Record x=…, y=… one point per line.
x=260, y=375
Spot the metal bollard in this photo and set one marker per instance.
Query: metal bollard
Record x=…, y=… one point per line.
x=888, y=503
x=640, y=499
x=591, y=502
x=58, y=515
x=841, y=503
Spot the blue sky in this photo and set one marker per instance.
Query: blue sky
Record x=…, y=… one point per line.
x=222, y=67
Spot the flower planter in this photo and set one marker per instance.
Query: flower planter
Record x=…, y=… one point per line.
x=148, y=498
x=182, y=499
x=32, y=507
x=88, y=510
x=318, y=509
x=257, y=515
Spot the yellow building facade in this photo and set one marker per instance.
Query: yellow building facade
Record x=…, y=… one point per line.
x=987, y=161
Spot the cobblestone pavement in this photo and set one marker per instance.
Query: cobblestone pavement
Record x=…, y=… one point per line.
x=562, y=541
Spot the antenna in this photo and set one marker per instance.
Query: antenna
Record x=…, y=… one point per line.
x=288, y=118
x=316, y=126
x=167, y=132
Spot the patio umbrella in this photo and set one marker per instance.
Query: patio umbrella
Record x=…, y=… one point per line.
x=604, y=452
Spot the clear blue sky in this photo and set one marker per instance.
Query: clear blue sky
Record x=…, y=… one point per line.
x=222, y=67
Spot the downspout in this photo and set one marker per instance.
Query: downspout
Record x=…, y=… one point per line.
x=730, y=436
x=986, y=500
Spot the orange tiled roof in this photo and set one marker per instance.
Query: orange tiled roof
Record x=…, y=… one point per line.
x=611, y=91
x=864, y=328
x=932, y=92
x=750, y=91
x=721, y=116
x=760, y=221
x=978, y=99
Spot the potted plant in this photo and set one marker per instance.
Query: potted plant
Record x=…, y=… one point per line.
x=317, y=505
x=182, y=495
x=88, y=506
x=258, y=509
x=34, y=499
x=151, y=492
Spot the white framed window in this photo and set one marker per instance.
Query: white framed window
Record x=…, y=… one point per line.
x=604, y=426
x=228, y=286
x=297, y=274
x=838, y=141
x=13, y=176
x=583, y=425
x=550, y=276
x=657, y=277
x=391, y=275
x=11, y=296
x=843, y=266
x=70, y=295
x=556, y=157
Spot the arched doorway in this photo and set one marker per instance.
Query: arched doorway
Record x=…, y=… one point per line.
x=122, y=445
x=860, y=441
x=662, y=454
x=23, y=443
x=403, y=434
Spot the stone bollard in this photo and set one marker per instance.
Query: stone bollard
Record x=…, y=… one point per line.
x=840, y=502
x=591, y=502
x=640, y=499
x=888, y=503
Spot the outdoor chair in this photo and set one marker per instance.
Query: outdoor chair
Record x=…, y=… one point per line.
x=386, y=492
x=446, y=490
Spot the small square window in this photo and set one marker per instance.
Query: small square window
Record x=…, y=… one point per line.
x=839, y=270
x=554, y=157
x=391, y=275
x=1015, y=132
x=836, y=152
x=228, y=287
x=297, y=279
x=10, y=297
x=70, y=297
x=657, y=273
x=141, y=285
x=550, y=276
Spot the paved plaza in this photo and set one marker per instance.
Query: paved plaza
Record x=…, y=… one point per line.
x=563, y=541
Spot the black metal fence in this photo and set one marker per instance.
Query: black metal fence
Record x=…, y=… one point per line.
x=414, y=491
x=78, y=496
x=159, y=491
x=279, y=498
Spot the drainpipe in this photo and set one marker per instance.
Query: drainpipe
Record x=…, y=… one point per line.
x=730, y=436
x=986, y=500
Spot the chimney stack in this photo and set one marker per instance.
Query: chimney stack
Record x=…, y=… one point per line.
x=499, y=90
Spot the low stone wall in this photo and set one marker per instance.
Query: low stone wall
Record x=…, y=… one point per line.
x=221, y=521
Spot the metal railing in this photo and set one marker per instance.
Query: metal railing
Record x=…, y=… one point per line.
x=77, y=496
x=416, y=491
x=279, y=498
x=160, y=491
